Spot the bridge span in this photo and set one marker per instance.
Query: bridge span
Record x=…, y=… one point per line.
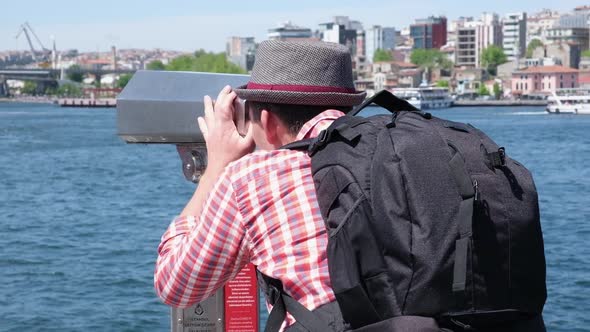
x=49, y=77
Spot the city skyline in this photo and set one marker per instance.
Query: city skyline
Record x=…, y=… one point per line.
x=185, y=26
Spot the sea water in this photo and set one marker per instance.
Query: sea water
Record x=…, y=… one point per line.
x=82, y=214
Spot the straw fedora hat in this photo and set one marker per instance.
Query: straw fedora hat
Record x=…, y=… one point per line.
x=302, y=73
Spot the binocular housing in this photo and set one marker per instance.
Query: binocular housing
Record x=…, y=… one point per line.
x=161, y=107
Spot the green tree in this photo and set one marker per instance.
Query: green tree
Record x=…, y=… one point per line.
x=483, y=90
x=492, y=57
x=442, y=84
x=532, y=46
x=123, y=80
x=205, y=62
x=586, y=53
x=51, y=91
x=430, y=58
x=75, y=73
x=29, y=88
x=497, y=90
x=382, y=55
x=156, y=65
x=69, y=90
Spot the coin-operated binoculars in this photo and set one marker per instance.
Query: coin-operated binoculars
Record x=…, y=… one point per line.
x=161, y=107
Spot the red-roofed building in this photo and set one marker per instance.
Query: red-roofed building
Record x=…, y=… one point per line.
x=544, y=79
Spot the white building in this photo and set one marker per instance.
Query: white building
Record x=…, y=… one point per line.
x=378, y=37
x=342, y=31
x=289, y=31
x=241, y=50
x=539, y=22
x=453, y=29
x=514, y=35
x=475, y=36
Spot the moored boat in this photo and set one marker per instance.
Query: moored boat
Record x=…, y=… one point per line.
x=425, y=97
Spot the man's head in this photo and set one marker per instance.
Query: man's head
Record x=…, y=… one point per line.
x=294, y=81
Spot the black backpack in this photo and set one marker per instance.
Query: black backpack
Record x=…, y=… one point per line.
x=431, y=227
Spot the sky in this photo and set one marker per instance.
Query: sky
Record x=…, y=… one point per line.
x=185, y=25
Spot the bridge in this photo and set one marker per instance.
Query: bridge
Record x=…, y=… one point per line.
x=49, y=77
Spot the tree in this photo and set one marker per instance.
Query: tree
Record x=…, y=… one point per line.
x=29, y=88
x=123, y=80
x=430, y=58
x=492, y=57
x=532, y=46
x=205, y=62
x=382, y=55
x=75, y=73
x=483, y=90
x=442, y=84
x=69, y=90
x=586, y=53
x=156, y=65
x=497, y=90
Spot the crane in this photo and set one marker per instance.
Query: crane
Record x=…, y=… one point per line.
x=26, y=29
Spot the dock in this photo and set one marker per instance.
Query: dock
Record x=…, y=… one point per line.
x=87, y=102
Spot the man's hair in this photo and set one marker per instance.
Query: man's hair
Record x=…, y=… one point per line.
x=293, y=116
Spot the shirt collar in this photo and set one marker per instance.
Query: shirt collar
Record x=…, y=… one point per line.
x=320, y=122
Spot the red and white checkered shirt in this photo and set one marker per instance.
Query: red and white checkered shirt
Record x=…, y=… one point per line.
x=262, y=210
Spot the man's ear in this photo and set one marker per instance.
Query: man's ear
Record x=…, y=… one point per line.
x=269, y=124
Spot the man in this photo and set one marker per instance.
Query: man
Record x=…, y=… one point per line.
x=261, y=207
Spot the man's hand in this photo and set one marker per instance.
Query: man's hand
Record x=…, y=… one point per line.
x=224, y=143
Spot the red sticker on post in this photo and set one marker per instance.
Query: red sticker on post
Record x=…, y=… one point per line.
x=241, y=302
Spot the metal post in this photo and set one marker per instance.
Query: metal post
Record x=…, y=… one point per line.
x=234, y=308
x=3, y=86
x=206, y=316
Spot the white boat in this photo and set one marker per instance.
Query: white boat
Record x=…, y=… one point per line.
x=569, y=101
x=425, y=97
x=411, y=95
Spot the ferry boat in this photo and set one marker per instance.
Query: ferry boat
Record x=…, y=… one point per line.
x=425, y=97
x=569, y=101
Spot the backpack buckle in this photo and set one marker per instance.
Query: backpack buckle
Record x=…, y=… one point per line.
x=498, y=158
x=319, y=141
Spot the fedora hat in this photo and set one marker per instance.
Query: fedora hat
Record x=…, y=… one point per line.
x=302, y=73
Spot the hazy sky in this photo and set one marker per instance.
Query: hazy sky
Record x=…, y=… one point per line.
x=189, y=25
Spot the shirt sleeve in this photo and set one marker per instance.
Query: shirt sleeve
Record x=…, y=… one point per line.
x=197, y=256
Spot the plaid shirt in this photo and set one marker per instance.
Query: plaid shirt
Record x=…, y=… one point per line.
x=262, y=210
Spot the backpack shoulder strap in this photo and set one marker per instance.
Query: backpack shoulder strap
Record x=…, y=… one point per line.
x=468, y=192
x=303, y=144
x=388, y=101
x=283, y=303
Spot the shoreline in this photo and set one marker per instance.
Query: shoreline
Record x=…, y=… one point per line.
x=498, y=103
x=29, y=100
x=83, y=102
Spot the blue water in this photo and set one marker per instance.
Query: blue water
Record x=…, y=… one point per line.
x=82, y=215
